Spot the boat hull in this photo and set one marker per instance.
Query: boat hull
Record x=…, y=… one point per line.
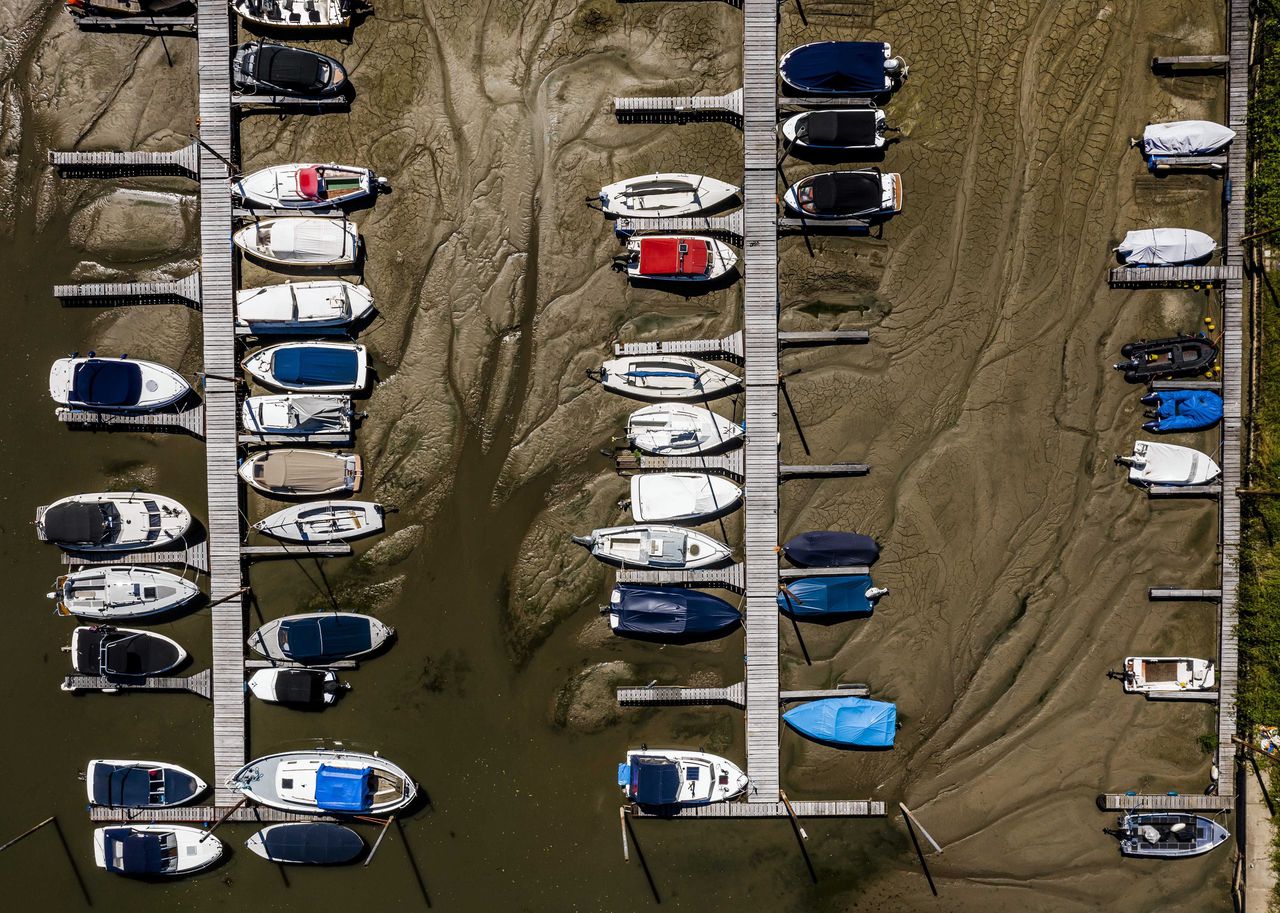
x=682, y=497
x=665, y=195
x=790, y=132
x=324, y=521
x=299, y=416
x=262, y=781
x=146, y=521
x=720, y=259
x=655, y=546
x=157, y=386
x=328, y=243
x=122, y=592
x=671, y=429
x=306, y=843
x=267, y=639
x=344, y=475
x=189, y=786
x=245, y=76
x=196, y=849
x=325, y=15
x=261, y=365
x=667, y=377
x=278, y=187
x=315, y=306
x=674, y=778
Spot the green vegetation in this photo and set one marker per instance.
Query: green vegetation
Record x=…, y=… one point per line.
x=1264, y=122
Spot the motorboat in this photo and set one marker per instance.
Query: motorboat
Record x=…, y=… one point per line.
x=300, y=241
x=154, y=850
x=127, y=7
x=295, y=14
x=669, y=614
x=301, y=415
x=311, y=366
x=829, y=598
x=846, y=129
x=141, y=784
x=1167, y=835
x=673, y=777
x=112, y=521
x=865, y=194
x=314, y=306
x=682, y=497
x=831, y=548
x=113, y=653
x=292, y=473
x=1177, y=356
x=665, y=194
x=321, y=781
x=670, y=377
x=115, y=384
x=672, y=429
x=834, y=68
x=123, y=591
x=307, y=186
x=307, y=688
x=677, y=258
x=1157, y=463
x=323, y=521
x=1164, y=247
x=1184, y=138
x=320, y=638
x=306, y=843
x=1182, y=410
x=1167, y=674
x=845, y=722
x=654, y=546
x=264, y=68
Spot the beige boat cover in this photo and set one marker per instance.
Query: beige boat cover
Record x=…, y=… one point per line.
x=300, y=470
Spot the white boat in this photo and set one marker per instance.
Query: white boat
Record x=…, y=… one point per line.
x=307, y=186
x=1185, y=137
x=665, y=194
x=154, y=850
x=1157, y=463
x=112, y=521
x=670, y=429
x=323, y=521
x=123, y=653
x=675, y=777
x=140, y=784
x=322, y=781
x=320, y=638
x=312, y=366
x=125, y=591
x=1167, y=835
x=300, y=415
x=300, y=241
x=865, y=194
x=311, y=688
x=295, y=14
x=1165, y=674
x=670, y=377
x=678, y=258
x=836, y=128
x=115, y=384
x=1165, y=246
x=294, y=473
x=654, y=546
x=302, y=307
x=681, y=497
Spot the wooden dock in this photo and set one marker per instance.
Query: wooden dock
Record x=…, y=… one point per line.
x=727, y=464
x=1215, y=385
x=756, y=807
x=1174, y=594
x=199, y=814
x=297, y=550
x=189, y=420
x=149, y=25
x=1195, y=63
x=1214, y=163
x=193, y=556
x=177, y=291
x=1212, y=490
x=251, y=100
x=1175, y=276
x=732, y=695
x=184, y=162
x=728, y=225
x=1168, y=802
x=728, y=348
x=731, y=578
x=679, y=109
x=200, y=684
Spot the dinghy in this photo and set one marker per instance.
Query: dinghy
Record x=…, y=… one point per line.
x=310, y=367
x=154, y=850
x=112, y=521
x=825, y=68
x=676, y=258
x=297, y=415
x=682, y=497
x=1156, y=463
x=316, y=306
x=115, y=384
x=1179, y=356
x=126, y=591
x=306, y=843
x=322, y=781
x=1185, y=137
x=655, y=547
x=672, y=777
x=1167, y=835
x=834, y=598
x=261, y=68
x=1164, y=247
x=669, y=614
x=865, y=194
x=123, y=652
x=320, y=637
x=671, y=429
x=845, y=722
x=141, y=784
x=291, y=473
x=308, y=688
x=849, y=129
x=307, y=186
x=323, y=521
x=672, y=377
x=1167, y=674
x=831, y=548
x=123, y=8
x=1182, y=410
x=295, y=14
x=299, y=241
x=666, y=194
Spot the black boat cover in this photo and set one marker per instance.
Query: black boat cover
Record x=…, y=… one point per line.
x=847, y=193
x=129, y=786
x=131, y=852
x=99, y=382
x=75, y=523
x=315, y=843
x=831, y=548
x=654, y=781
x=841, y=128
x=836, y=68
x=311, y=640
x=290, y=68
x=127, y=653
x=671, y=611
x=300, y=686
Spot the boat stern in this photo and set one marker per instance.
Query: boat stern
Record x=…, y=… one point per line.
x=61, y=377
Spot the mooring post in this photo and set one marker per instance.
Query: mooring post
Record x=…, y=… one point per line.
x=622, y=820
x=225, y=815
x=26, y=833
x=906, y=811
x=386, y=826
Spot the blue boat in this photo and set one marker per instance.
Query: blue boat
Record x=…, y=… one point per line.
x=837, y=68
x=1183, y=410
x=846, y=722
x=320, y=638
x=307, y=843
x=316, y=367
x=669, y=613
x=831, y=548
x=140, y=784
x=827, y=597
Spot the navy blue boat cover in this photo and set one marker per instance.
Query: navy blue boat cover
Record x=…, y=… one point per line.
x=317, y=843
x=129, y=786
x=654, y=781
x=850, y=722
x=329, y=637
x=836, y=67
x=140, y=853
x=671, y=610
x=826, y=596
x=1184, y=410
x=106, y=383
x=317, y=365
x=831, y=548
x=344, y=789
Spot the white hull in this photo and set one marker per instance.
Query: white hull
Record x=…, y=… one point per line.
x=664, y=195
x=126, y=591
x=1157, y=463
x=301, y=307
x=261, y=366
x=1167, y=674
x=323, y=521
x=790, y=127
x=655, y=546
x=287, y=781
x=670, y=429
x=266, y=640
x=262, y=685
x=264, y=472
x=298, y=241
x=1186, y=137
x=718, y=260
x=180, y=655
x=700, y=778
x=297, y=415
x=681, y=497
x=667, y=377
x=326, y=14
x=158, y=386
x=890, y=200
x=1165, y=246
x=139, y=521
x=286, y=186
x=195, y=850
x=200, y=785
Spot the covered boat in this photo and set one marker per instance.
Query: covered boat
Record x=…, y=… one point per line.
x=141, y=784
x=852, y=129
x=123, y=591
x=1182, y=410
x=115, y=384
x=300, y=241
x=307, y=688
x=1185, y=137
x=678, y=258
x=831, y=548
x=672, y=377
x=324, y=521
x=1167, y=835
x=673, y=777
x=320, y=638
x=671, y=429
x=323, y=781
x=264, y=68
x=142, y=8
x=677, y=614
x=818, y=598
x=297, y=415
x=840, y=68
x=306, y=843
x=1165, y=247
x=307, y=186
x=865, y=194
x=123, y=652
x=665, y=194
x=295, y=14
x=845, y=722
x=655, y=547
x=1157, y=463
x=315, y=306
x=311, y=367
x=1167, y=674
x=293, y=473
x=154, y=850
x=112, y=521
x=681, y=497
x=1178, y=356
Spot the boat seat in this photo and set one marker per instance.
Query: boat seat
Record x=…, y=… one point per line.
x=313, y=15
x=295, y=17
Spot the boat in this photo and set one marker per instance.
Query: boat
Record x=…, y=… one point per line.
x=323, y=521
x=314, y=306
x=673, y=777
x=310, y=367
x=1177, y=356
x=322, y=781
x=123, y=591
x=671, y=377
x=306, y=843
x=677, y=258
x=308, y=688
x=320, y=638
x=265, y=68
x=1184, y=137
x=140, y=784
x=672, y=429
x=1167, y=835
x=822, y=598
x=1167, y=674
x=654, y=546
x=292, y=414
x=307, y=186
x=1157, y=463
x=127, y=7
x=831, y=548
x=864, y=194
x=669, y=614
x=1164, y=247
x=154, y=850
x=848, y=129
x=112, y=521
x=682, y=497
x=665, y=194
x=113, y=653
x=834, y=68
x=1182, y=410
x=292, y=473
x=845, y=722
x=295, y=14
x=300, y=241
x=115, y=384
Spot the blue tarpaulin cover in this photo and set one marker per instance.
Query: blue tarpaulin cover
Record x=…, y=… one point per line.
x=831, y=548
x=850, y=722
x=671, y=610
x=344, y=789
x=330, y=637
x=654, y=781
x=813, y=596
x=836, y=68
x=140, y=853
x=1184, y=410
x=315, y=365
x=106, y=383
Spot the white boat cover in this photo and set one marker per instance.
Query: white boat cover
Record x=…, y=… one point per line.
x=1155, y=463
x=1185, y=137
x=679, y=495
x=1165, y=246
x=311, y=238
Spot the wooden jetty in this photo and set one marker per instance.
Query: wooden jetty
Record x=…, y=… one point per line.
x=151, y=24
x=184, y=162
x=1161, y=802
x=253, y=100
x=1214, y=163
x=1174, y=276
x=1215, y=385
x=755, y=807
x=804, y=573
x=333, y=437
x=297, y=550
x=200, y=814
x=1193, y=63
x=200, y=683
x=1207, y=697
x=177, y=291
x=732, y=695
x=194, y=556
x=1174, y=594
x=791, y=224
x=1212, y=490
x=728, y=348
x=679, y=109
x=729, y=225
x=727, y=464
x=189, y=420
x=731, y=578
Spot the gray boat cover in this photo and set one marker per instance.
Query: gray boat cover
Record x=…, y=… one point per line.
x=300, y=470
x=1185, y=137
x=1164, y=246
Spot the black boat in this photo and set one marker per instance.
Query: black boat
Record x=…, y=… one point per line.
x=865, y=194
x=307, y=843
x=262, y=68
x=123, y=652
x=1178, y=356
x=140, y=784
x=831, y=548
x=307, y=688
